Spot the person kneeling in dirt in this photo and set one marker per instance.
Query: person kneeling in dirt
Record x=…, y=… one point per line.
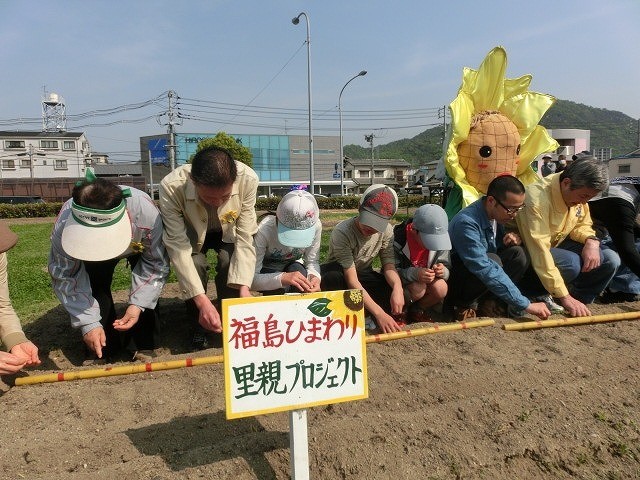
x=288, y=246
x=210, y=205
x=95, y=229
x=422, y=245
x=20, y=351
x=354, y=244
x=486, y=260
x=568, y=265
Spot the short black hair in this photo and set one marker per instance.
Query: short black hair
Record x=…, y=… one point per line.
x=213, y=167
x=503, y=184
x=99, y=194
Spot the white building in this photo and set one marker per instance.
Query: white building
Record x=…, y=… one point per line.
x=43, y=154
x=571, y=140
x=391, y=172
x=625, y=165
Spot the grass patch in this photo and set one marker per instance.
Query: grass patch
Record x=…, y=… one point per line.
x=29, y=283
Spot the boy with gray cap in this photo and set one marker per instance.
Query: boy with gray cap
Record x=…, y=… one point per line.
x=422, y=246
x=354, y=244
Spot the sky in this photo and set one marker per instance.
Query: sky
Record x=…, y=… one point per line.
x=240, y=66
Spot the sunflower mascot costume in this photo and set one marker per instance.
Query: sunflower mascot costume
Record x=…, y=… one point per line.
x=494, y=131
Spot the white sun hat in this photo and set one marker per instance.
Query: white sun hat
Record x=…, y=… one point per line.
x=96, y=235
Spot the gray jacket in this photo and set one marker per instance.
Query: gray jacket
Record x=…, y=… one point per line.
x=71, y=281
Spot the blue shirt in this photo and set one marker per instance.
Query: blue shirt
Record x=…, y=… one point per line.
x=472, y=238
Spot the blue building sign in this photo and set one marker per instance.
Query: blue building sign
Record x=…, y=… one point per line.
x=158, y=152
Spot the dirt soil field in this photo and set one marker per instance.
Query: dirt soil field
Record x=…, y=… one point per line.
x=477, y=404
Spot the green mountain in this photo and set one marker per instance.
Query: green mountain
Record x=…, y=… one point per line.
x=609, y=129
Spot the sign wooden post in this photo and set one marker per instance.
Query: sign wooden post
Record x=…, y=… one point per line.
x=299, y=444
x=291, y=352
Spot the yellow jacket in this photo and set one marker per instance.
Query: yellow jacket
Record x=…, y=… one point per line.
x=544, y=223
x=185, y=222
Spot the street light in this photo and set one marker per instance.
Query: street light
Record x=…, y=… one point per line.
x=361, y=74
x=295, y=21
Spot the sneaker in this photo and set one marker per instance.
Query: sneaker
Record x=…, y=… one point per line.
x=491, y=307
x=513, y=312
x=465, y=313
x=370, y=323
x=551, y=304
x=416, y=314
x=618, y=297
x=199, y=341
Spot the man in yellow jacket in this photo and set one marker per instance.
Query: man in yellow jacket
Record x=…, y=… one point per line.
x=557, y=230
x=210, y=205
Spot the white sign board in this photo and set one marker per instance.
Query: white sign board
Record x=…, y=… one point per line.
x=289, y=352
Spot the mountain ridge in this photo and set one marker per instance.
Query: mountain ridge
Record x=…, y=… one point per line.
x=609, y=129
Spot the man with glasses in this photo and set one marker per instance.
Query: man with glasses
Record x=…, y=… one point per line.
x=557, y=230
x=487, y=261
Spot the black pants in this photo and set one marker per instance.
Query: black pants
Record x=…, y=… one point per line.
x=213, y=241
x=290, y=267
x=373, y=282
x=465, y=288
x=101, y=277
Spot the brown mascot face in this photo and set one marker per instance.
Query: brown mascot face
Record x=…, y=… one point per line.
x=492, y=149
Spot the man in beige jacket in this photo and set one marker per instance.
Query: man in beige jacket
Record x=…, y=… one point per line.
x=210, y=204
x=20, y=351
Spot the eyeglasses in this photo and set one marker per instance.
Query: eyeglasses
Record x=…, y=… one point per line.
x=510, y=210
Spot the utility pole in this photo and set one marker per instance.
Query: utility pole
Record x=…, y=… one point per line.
x=30, y=153
x=172, y=134
x=151, y=194
x=442, y=113
x=369, y=138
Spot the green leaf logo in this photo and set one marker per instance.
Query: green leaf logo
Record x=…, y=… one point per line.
x=319, y=307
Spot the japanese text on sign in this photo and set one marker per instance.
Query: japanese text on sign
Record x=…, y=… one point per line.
x=293, y=351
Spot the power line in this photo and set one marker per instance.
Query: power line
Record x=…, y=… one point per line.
x=247, y=115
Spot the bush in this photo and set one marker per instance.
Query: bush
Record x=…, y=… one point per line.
x=238, y=151
x=29, y=210
x=348, y=202
x=270, y=203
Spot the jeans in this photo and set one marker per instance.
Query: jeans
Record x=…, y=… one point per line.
x=465, y=288
x=584, y=286
x=624, y=279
